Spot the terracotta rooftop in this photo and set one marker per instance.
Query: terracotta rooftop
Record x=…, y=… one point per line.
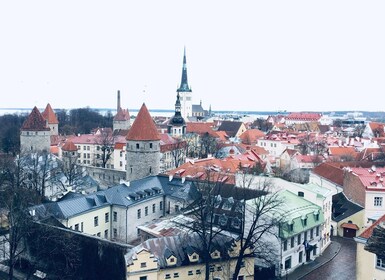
x=35, y=122
x=304, y=116
x=369, y=231
x=251, y=136
x=50, y=115
x=143, y=127
x=69, y=146
x=122, y=115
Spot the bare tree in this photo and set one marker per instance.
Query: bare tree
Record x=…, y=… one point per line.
x=208, y=145
x=178, y=151
x=105, y=141
x=16, y=197
x=251, y=221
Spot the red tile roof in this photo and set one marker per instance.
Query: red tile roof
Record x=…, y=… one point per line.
x=35, y=122
x=304, y=116
x=200, y=128
x=69, y=146
x=378, y=127
x=251, y=136
x=143, y=128
x=369, y=231
x=49, y=115
x=350, y=226
x=330, y=172
x=122, y=115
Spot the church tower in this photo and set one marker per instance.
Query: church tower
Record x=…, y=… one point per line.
x=51, y=119
x=122, y=117
x=35, y=135
x=177, y=126
x=185, y=92
x=143, y=147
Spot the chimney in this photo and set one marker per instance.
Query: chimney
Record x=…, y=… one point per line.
x=118, y=106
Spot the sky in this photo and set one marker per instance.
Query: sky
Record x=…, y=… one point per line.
x=241, y=55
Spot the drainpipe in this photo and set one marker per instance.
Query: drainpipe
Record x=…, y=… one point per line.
x=126, y=223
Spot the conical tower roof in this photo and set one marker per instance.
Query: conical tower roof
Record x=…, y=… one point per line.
x=69, y=146
x=143, y=128
x=184, y=87
x=50, y=115
x=35, y=122
x=122, y=115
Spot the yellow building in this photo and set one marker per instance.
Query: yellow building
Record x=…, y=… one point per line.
x=369, y=265
x=179, y=257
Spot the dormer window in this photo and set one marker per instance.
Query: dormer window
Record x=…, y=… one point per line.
x=236, y=222
x=223, y=220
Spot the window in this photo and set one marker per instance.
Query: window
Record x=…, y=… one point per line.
x=77, y=227
x=316, y=216
x=106, y=234
x=176, y=208
x=317, y=231
x=305, y=222
x=300, y=257
x=285, y=245
x=137, y=145
x=143, y=264
x=292, y=242
x=219, y=268
x=167, y=276
x=115, y=216
x=176, y=274
x=190, y=272
x=153, y=208
x=81, y=226
x=96, y=221
x=172, y=260
x=299, y=239
x=378, y=201
x=198, y=271
x=107, y=217
x=161, y=205
x=146, y=211
x=291, y=227
x=305, y=236
x=115, y=233
x=98, y=234
x=314, y=251
x=150, y=145
x=380, y=263
x=301, y=194
x=139, y=213
x=288, y=263
x=212, y=268
x=143, y=278
x=311, y=233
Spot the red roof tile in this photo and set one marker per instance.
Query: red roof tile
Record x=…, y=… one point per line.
x=369, y=231
x=122, y=115
x=35, y=122
x=251, y=136
x=350, y=226
x=69, y=146
x=49, y=115
x=143, y=128
x=304, y=116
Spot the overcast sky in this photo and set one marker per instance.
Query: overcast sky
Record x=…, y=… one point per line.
x=241, y=55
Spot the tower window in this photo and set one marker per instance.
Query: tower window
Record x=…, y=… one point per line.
x=150, y=145
x=137, y=145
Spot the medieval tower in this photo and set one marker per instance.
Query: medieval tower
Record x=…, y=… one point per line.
x=177, y=126
x=143, y=147
x=122, y=117
x=51, y=119
x=35, y=134
x=185, y=92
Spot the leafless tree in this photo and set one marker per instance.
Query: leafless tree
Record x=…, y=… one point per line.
x=105, y=141
x=178, y=151
x=208, y=145
x=252, y=216
x=16, y=197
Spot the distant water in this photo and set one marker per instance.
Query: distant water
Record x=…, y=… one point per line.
x=159, y=112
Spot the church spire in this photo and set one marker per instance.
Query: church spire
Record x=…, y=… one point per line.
x=184, y=83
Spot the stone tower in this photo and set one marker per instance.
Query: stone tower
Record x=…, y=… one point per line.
x=35, y=134
x=177, y=126
x=51, y=119
x=122, y=117
x=143, y=147
x=69, y=153
x=185, y=91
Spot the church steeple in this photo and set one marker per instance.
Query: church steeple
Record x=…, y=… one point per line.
x=184, y=83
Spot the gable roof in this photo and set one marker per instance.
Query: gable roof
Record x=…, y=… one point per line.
x=143, y=128
x=251, y=136
x=331, y=172
x=69, y=146
x=378, y=127
x=49, y=115
x=343, y=208
x=304, y=116
x=122, y=115
x=35, y=122
x=230, y=127
x=369, y=231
